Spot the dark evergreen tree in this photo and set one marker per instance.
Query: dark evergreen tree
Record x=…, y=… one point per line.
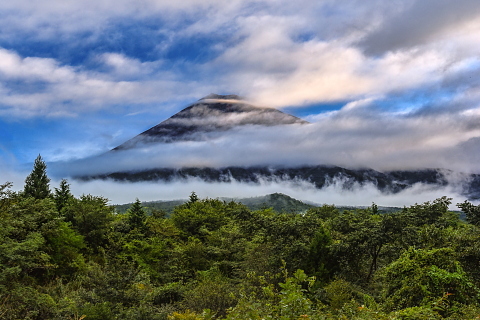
x=37, y=182
x=137, y=216
x=374, y=208
x=193, y=197
x=62, y=194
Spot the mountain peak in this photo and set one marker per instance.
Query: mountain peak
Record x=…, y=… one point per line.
x=214, y=96
x=211, y=115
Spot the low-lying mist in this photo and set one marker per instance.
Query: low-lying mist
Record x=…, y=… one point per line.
x=125, y=192
x=334, y=193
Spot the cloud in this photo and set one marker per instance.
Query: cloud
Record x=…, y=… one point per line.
x=125, y=192
x=273, y=67
x=123, y=67
x=276, y=52
x=421, y=22
x=120, y=193
x=71, y=16
x=276, y=70
x=50, y=89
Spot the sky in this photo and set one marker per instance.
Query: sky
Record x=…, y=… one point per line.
x=386, y=84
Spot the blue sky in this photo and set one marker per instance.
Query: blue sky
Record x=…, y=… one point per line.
x=80, y=77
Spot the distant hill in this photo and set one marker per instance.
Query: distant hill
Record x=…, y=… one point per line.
x=277, y=201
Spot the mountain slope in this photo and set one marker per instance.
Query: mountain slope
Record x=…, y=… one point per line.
x=211, y=114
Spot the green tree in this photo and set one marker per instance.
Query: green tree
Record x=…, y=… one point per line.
x=91, y=217
x=374, y=208
x=6, y=196
x=324, y=212
x=37, y=182
x=137, y=216
x=211, y=290
x=26, y=256
x=428, y=212
x=289, y=301
x=361, y=240
x=64, y=246
x=193, y=197
x=420, y=277
x=62, y=195
x=472, y=212
x=196, y=218
x=319, y=260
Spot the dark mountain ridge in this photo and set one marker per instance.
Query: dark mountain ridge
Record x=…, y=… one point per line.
x=319, y=176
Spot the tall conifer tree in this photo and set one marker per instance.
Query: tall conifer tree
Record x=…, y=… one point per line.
x=137, y=216
x=37, y=182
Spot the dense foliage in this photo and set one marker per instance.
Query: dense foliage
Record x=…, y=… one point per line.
x=63, y=257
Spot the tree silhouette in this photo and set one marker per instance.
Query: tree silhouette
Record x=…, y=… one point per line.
x=37, y=182
x=193, y=197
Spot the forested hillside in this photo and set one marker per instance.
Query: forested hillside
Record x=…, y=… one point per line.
x=277, y=201
x=64, y=257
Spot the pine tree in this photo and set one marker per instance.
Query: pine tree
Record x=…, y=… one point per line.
x=62, y=194
x=137, y=216
x=37, y=182
x=193, y=197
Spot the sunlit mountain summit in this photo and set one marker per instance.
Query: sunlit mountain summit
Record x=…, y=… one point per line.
x=208, y=116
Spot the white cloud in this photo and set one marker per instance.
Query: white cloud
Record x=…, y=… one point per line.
x=126, y=192
x=52, y=18
x=123, y=67
x=278, y=71
x=12, y=66
x=278, y=52
x=50, y=89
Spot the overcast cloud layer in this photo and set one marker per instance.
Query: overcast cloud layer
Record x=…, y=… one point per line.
x=387, y=84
